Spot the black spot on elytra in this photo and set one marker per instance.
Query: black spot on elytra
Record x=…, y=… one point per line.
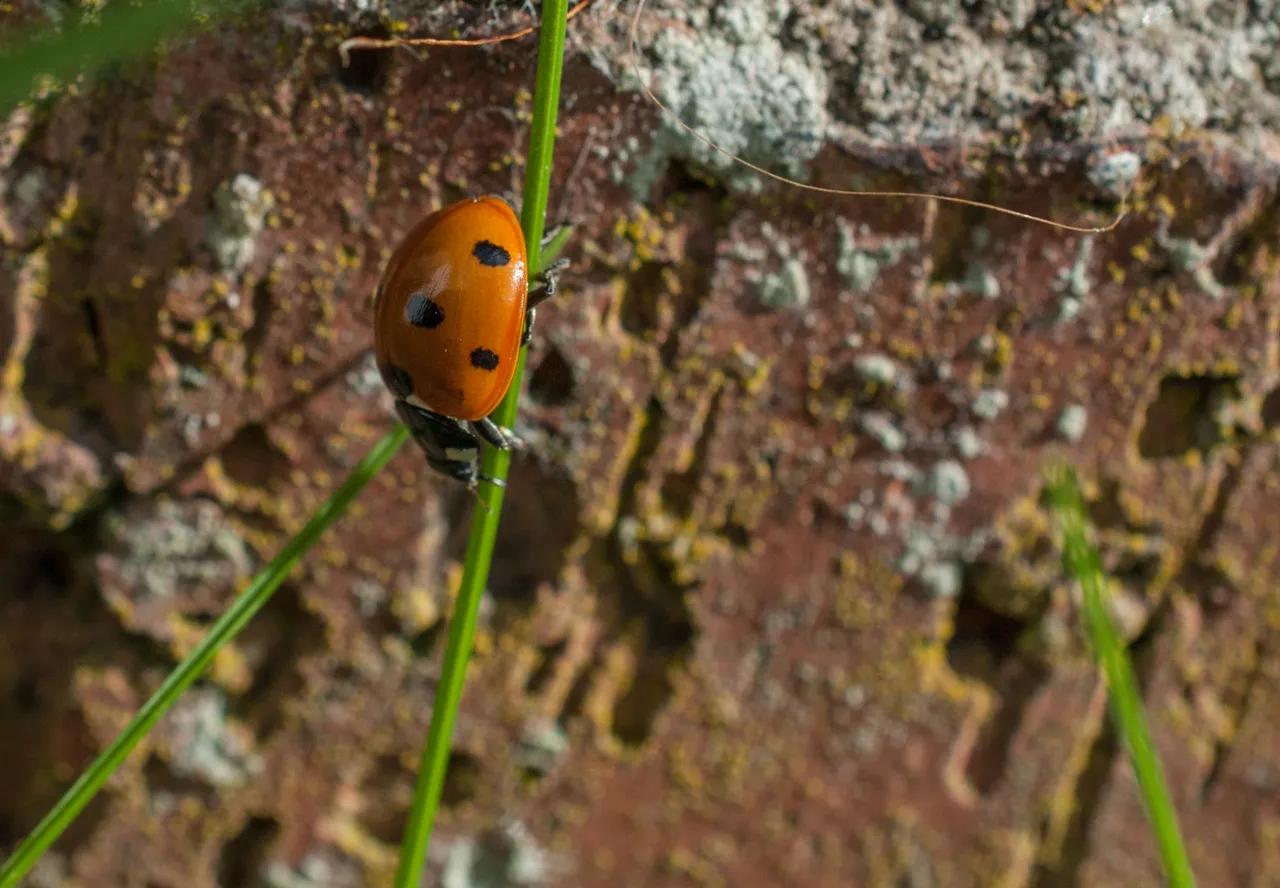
x=423, y=312
x=397, y=379
x=483, y=359
x=491, y=254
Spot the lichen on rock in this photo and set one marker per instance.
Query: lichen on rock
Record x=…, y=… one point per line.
x=241, y=205
x=732, y=80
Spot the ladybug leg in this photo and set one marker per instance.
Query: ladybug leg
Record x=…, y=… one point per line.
x=550, y=278
x=529, y=315
x=495, y=435
x=550, y=283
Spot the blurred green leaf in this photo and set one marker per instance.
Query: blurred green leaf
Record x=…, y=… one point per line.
x=120, y=32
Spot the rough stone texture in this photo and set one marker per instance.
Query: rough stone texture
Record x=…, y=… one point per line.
x=777, y=600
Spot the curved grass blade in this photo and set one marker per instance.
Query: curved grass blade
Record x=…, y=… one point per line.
x=248, y=603
x=1082, y=561
x=484, y=524
x=122, y=31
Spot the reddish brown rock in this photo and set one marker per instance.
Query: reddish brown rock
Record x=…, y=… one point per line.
x=776, y=599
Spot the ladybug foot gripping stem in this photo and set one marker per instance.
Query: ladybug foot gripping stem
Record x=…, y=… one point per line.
x=550, y=280
x=496, y=436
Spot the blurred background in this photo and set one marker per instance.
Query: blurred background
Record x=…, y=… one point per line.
x=777, y=599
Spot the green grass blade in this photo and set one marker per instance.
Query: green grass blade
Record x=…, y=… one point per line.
x=122, y=31
x=236, y=617
x=1083, y=563
x=484, y=526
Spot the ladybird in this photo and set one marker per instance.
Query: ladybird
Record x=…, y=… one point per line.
x=452, y=310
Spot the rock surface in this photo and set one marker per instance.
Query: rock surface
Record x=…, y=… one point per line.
x=777, y=600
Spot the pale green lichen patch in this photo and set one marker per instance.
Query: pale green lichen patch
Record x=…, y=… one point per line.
x=204, y=745
x=177, y=548
x=788, y=288
x=504, y=856
x=241, y=205
x=861, y=259
x=734, y=81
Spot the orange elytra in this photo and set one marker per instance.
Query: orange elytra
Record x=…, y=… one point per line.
x=452, y=311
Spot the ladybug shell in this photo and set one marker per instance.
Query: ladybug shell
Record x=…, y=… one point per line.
x=449, y=311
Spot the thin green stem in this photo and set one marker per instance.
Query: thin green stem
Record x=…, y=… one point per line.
x=484, y=525
x=249, y=602
x=1083, y=563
